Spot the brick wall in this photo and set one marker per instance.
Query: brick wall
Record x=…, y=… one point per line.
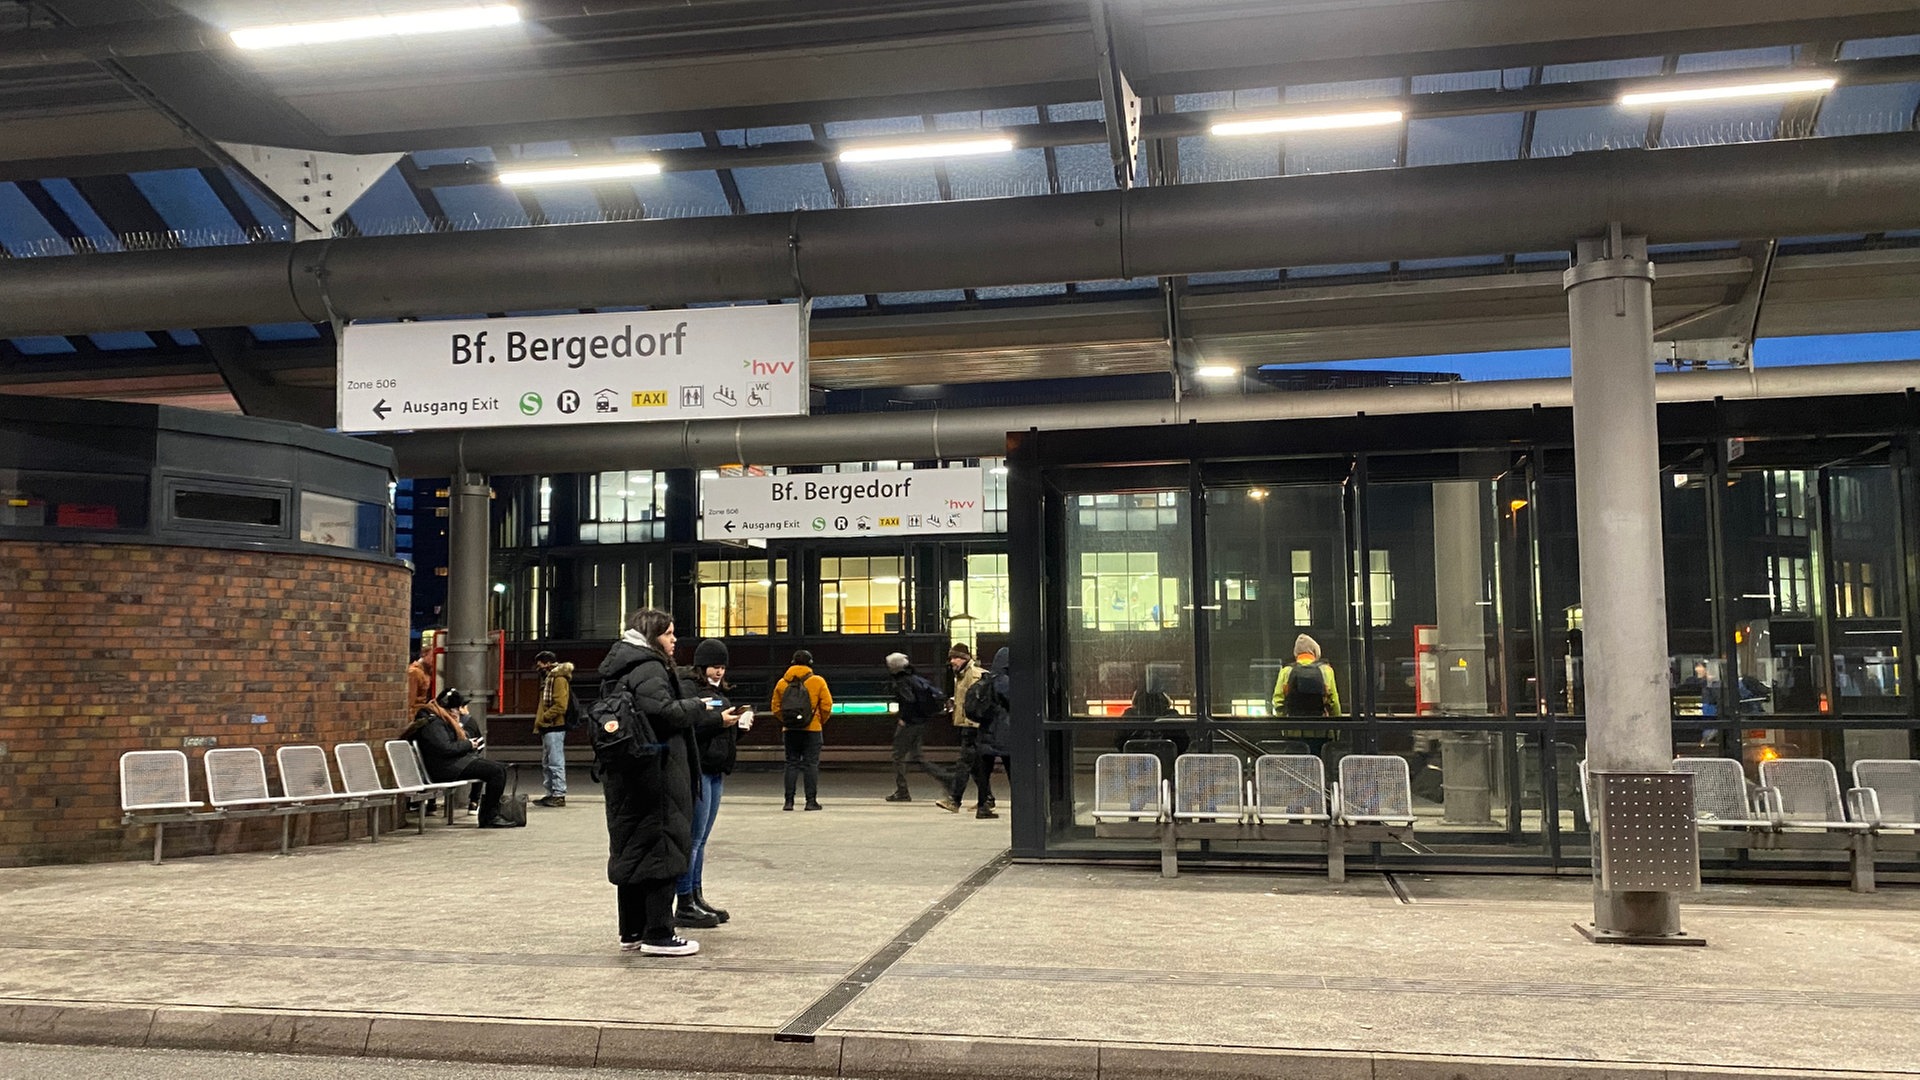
x=115, y=647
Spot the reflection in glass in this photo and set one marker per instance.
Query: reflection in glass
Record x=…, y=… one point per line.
x=1869, y=639
x=1770, y=560
x=1442, y=542
x=1127, y=617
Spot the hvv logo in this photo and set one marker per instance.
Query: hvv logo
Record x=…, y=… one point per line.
x=769, y=367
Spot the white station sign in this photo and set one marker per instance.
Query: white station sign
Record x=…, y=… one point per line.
x=910, y=502
x=700, y=364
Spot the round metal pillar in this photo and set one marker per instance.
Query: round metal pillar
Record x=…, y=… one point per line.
x=1622, y=569
x=469, y=519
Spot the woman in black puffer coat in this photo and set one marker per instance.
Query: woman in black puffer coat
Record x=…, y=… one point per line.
x=650, y=802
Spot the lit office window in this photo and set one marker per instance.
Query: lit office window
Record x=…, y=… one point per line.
x=1303, y=588
x=743, y=596
x=1791, y=585
x=1123, y=590
x=622, y=507
x=1380, y=586
x=979, y=604
x=862, y=595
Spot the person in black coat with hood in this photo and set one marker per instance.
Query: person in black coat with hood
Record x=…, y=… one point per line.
x=994, y=740
x=650, y=807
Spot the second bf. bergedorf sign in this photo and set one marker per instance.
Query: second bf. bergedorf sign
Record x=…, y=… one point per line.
x=702, y=364
x=918, y=502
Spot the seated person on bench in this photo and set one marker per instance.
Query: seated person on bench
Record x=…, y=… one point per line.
x=449, y=754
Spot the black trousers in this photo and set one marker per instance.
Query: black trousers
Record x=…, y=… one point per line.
x=983, y=776
x=646, y=910
x=803, y=758
x=969, y=762
x=493, y=777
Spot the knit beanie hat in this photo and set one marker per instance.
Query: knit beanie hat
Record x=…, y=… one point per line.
x=959, y=650
x=897, y=662
x=711, y=652
x=1306, y=646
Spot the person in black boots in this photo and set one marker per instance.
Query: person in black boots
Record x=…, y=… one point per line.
x=448, y=753
x=717, y=741
x=649, y=790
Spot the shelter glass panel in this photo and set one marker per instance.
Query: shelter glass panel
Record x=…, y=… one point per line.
x=1771, y=560
x=1869, y=635
x=1128, y=626
x=980, y=603
x=1277, y=560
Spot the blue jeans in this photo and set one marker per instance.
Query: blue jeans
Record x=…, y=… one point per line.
x=553, y=758
x=706, y=807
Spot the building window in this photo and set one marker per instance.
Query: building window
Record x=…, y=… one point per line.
x=621, y=507
x=1791, y=586
x=1303, y=588
x=1380, y=586
x=979, y=605
x=1789, y=490
x=1142, y=511
x=862, y=595
x=1123, y=590
x=743, y=596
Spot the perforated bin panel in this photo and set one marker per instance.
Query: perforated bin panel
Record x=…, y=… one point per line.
x=303, y=771
x=1290, y=785
x=1126, y=785
x=1895, y=783
x=235, y=775
x=1645, y=830
x=1207, y=786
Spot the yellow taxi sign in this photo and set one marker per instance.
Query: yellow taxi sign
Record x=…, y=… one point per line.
x=889, y=522
x=649, y=399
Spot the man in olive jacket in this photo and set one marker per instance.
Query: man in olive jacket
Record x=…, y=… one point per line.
x=550, y=724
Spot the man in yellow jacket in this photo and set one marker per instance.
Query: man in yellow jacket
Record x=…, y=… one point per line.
x=1305, y=687
x=802, y=702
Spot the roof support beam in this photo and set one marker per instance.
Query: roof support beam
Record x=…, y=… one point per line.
x=1862, y=183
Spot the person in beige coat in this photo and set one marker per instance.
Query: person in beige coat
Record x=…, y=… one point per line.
x=965, y=674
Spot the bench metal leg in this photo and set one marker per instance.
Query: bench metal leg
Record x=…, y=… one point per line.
x=446, y=798
x=373, y=824
x=286, y=821
x=1860, y=854
x=1169, y=853
x=159, y=839
x=1336, y=854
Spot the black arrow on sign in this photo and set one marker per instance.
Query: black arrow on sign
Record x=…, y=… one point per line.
x=381, y=408
x=729, y=525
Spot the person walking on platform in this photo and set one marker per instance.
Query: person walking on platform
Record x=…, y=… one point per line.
x=965, y=674
x=449, y=754
x=803, y=703
x=550, y=724
x=994, y=713
x=918, y=701
x=715, y=737
x=650, y=805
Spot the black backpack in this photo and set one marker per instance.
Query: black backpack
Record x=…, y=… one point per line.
x=621, y=734
x=1306, y=690
x=928, y=701
x=796, y=705
x=982, y=703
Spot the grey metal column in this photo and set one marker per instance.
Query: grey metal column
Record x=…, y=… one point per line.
x=1616, y=451
x=1460, y=591
x=469, y=520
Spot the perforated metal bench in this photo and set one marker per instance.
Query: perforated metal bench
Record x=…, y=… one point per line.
x=1287, y=800
x=1797, y=806
x=360, y=777
x=154, y=791
x=410, y=776
x=304, y=774
x=1888, y=792
x=237, y=784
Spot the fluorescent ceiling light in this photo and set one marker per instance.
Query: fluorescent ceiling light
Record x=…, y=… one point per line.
x=1736, y=90
x=994, y=144
x=435, y=21
x=1275, y=125
x=1216, y=371
x=578, y=174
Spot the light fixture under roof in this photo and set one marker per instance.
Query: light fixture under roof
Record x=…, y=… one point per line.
x=913, y=151
x=1683, y=94
x=1333, y=121
x=402, y=24
x=1216, y=371
x=578, y=174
